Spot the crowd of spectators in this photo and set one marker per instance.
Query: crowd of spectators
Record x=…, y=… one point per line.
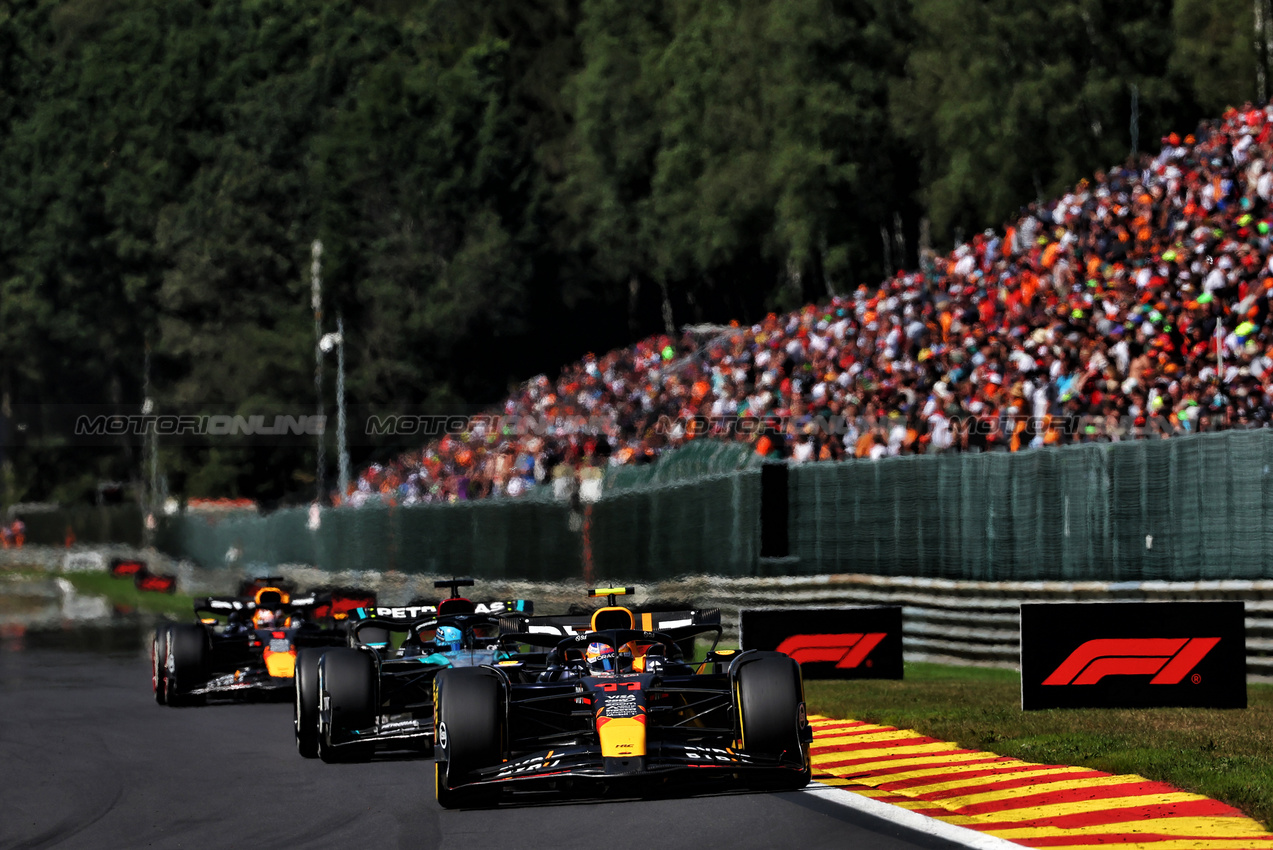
x=1136, y=305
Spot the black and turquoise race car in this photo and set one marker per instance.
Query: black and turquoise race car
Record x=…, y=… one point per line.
x=377, y=692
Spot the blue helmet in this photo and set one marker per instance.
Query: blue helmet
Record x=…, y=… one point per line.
x=451, y=636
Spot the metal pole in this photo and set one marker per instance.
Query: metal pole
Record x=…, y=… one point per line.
x=1135, y=128
x=1220, y=351
x=316, y=299
x=1260, y=58
x=150, y=442
x=340, y=408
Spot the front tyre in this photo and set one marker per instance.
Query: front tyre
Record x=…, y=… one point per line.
x=469, y=708
x=770, y=697
x=347, y=688
x=159, y=663
x=305, y=702
x=187, y=667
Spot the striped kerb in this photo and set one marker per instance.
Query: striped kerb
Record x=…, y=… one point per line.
x=1035, y=805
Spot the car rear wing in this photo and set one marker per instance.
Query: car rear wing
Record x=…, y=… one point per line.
x=223, y=604
x=418, y=610
x=646, y=621
x=337, y=603
x=615, y=637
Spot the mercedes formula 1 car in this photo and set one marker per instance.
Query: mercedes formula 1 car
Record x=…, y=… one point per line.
x=373, y=694
x=618, y=708
x=247, y=643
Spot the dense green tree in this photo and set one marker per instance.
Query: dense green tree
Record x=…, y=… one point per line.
x=1013, y=101
x=733, y=151
x=1217, y=51
x=501, y=186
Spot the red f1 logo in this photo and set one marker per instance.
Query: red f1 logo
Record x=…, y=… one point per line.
x=846, y=651
x=1168, y=660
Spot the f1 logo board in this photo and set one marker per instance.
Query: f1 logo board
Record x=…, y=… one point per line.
x=830, y=643
x=1133, y=655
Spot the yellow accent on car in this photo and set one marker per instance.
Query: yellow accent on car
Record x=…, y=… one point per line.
x=604, y=618
x=281, y=665
x=621, y=736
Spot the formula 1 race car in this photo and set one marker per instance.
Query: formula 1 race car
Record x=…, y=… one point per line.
x=248, y=643
x=350, y=701
x=618, y=709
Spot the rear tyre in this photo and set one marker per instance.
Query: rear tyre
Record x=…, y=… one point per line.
x=347, y=687
x=305, y=702
x=187, y=665
x=159, y=663
x=770, y=702
x=469, y=705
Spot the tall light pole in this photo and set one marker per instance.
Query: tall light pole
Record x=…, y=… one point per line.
x=316, y=299
x=326, y=344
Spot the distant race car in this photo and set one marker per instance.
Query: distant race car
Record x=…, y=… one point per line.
x=618, y=707
x=374, y=694
x=247, y=643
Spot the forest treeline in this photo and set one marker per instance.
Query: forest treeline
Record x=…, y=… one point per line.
x=502, y=185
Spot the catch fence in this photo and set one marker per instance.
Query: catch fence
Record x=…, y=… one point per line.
x=1180, y=509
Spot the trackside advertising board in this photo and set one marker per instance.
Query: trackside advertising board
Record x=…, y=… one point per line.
x=830, y=643
x=1133, y=655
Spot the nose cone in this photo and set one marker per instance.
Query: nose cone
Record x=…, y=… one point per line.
x=280, y=665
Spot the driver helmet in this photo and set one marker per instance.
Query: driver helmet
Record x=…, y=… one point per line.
x=449, y=637
x=265, y=618
x=602, y=657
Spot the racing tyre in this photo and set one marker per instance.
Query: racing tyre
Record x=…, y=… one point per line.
x=159, y=663
x=187, y=657
x=469, y=704
x=347, y=688
x=305, y=703
x=771, y=711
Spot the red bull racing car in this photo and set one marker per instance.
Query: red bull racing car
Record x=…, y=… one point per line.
x=618, y=708
x=247, y=644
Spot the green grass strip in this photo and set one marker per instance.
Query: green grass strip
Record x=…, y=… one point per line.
x=1224, y=754
x=121, y=593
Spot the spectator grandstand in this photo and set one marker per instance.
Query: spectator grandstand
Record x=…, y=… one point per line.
x=1135, y=306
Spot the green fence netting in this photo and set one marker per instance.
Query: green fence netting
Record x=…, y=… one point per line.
x=696, y=460
x=1188, y=508
x=1182, y=509
x=644, y=533
x=84, y=524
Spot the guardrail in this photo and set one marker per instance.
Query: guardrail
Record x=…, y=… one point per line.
x=976, y=623
x=944, y=621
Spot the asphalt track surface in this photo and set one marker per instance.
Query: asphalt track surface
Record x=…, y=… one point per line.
x=89, y=760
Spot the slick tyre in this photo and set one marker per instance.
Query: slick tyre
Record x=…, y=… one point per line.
x=159, y=663
x=187, y=667
x=469, y=705
x=305, y=702
x=347, y=690
x=770, y=700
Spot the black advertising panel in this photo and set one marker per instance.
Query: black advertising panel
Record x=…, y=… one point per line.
x=1133, y=655
x=830, y=643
